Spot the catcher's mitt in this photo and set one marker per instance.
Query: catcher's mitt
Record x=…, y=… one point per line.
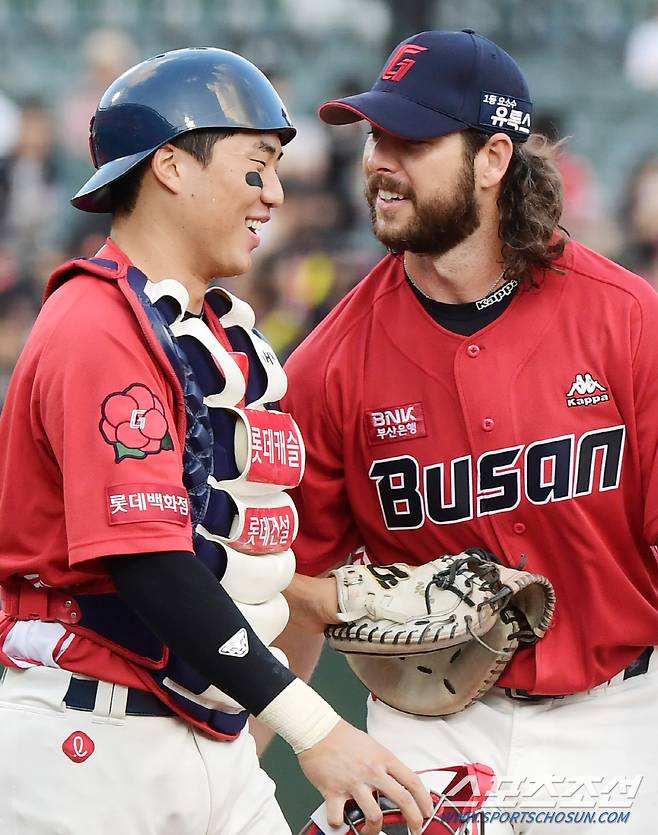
x=430, y=639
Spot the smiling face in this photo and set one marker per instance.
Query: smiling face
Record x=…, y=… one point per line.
x=219, y=212
x=421, y=194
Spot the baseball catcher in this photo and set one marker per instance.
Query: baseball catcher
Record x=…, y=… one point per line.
x=431, y=639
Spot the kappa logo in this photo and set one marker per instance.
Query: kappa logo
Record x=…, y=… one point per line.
x=237, y=645
x=585, y=390
x=399, y=65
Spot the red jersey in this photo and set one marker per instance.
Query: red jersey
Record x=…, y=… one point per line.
x=86, y=394
x=537, y=435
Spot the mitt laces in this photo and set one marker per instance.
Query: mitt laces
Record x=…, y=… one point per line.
x=522, y=633
x=485, y=571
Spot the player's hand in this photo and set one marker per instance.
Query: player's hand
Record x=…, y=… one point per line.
x=350, y=764
x=313, y=602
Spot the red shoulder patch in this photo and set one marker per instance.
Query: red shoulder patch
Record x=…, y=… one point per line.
x=133, y=421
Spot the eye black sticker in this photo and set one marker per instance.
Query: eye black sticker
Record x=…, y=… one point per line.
x=253, y=178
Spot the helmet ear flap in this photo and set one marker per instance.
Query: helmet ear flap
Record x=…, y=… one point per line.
x=92, y=149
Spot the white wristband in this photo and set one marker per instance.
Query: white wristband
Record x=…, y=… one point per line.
x=300, y=716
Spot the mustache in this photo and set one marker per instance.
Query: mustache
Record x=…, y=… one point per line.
x=380, y=181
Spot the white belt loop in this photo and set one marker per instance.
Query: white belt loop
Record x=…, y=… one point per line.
x=119, y=702
x=103, y=699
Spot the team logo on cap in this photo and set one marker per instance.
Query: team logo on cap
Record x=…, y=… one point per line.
x=399, y=65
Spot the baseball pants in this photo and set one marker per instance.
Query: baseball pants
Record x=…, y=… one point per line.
x=73, y=772
x=569, y=764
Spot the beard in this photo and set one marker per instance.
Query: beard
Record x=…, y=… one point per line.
x=439, y=223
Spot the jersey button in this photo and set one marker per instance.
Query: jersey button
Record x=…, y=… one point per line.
x=488, y=424
x=473, y=350
x=518, y=527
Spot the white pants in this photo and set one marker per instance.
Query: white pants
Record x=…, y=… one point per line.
x=544, y=754
x=147, y=775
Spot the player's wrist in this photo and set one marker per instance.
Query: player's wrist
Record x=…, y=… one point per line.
x=300, y=716
x=313, y=602
x=327, y=592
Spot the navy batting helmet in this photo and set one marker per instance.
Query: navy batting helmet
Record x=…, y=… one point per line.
x=169, y=95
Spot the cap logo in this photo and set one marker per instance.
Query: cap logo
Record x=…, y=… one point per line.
x=399, y=65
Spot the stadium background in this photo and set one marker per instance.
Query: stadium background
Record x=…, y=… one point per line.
x=592, y=66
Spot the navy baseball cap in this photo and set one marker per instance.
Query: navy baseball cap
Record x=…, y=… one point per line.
x=435, y=83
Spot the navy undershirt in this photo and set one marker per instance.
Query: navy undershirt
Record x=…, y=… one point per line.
x=464, y=319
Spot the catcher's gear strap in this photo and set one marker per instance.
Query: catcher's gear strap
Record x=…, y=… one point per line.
x=269, y=452
x=259, y=525
x=20, y=599
x=239, y=320
x=184, y=604
x=254, y=579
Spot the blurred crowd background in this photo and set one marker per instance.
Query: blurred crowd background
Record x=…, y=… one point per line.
x=592, y=66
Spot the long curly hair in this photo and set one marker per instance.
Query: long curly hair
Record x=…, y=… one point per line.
x=529, y=206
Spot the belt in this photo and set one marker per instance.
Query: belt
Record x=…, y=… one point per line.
x=636, y=668
x=81, y=695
